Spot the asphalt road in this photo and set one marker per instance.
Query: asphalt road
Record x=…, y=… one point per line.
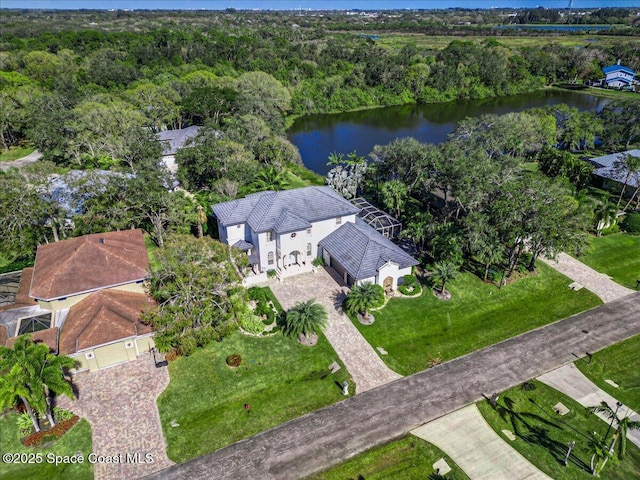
x=329, y=436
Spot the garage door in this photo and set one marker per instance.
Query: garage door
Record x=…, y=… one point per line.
x=111, y=355
x=341, y=271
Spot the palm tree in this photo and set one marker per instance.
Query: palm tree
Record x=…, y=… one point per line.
x=444, y=272
x=624, y=424
x=489, y=255
x=363, y=297
x=604, y=213
x=270, y=178
x=394, y=195
x=32, y=374
x=305, y=319
x=202, y=219
x=627, y=166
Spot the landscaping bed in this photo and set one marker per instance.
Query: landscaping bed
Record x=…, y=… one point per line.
x=617, y=255
x=77, y=439
x=409, y=458
x=620, y=363
x=417, y=332
x=278, y=379
x=542, y=435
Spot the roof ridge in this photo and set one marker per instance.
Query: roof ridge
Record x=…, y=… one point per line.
x=117, y=254
x=82, y=242
x=365, y=248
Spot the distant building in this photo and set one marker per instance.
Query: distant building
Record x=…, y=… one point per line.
x=610, y=176
x=618, y=76
x=172, y=141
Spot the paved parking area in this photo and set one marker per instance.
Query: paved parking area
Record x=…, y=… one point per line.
x=120, y=404
x=466, y=437
x=365, y=366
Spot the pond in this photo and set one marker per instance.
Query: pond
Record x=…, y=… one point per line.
x=316, y=136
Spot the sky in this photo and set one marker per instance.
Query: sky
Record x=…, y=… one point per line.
x=306, y=4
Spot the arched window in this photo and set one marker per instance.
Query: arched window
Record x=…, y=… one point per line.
x=270, y=258
x=308, y=249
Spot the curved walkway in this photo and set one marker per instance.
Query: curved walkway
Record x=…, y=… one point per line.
x=573, y=383
x=466, y=437
x=363, y=363
x=334, y=434
x=592, y=280
x=33, y=157
x=120, y=404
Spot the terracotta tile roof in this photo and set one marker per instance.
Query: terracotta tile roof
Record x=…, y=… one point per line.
x=87, y=263
x=103, y=317
x=49, y=337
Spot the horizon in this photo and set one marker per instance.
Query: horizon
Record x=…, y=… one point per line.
x=307, y=5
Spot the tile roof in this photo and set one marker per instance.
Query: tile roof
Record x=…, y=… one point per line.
x=104, y=317
x=174, y=140
x=88, y=263
x=284, y=211
x=48, y=336
x=243, y=245
x=605, y=167
x=618, y=79
x=361, y=250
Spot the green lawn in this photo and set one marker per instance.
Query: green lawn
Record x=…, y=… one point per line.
x=409, y=458
x=14, y=153
x=279, y=378
x=78, y=439
x=619, y=363
x=415, y=330
x=617, y=255
x=543, y=435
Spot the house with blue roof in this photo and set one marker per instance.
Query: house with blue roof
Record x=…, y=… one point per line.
x=286, y=231
x=618, y=76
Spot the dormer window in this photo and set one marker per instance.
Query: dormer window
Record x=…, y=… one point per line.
x=270, y=236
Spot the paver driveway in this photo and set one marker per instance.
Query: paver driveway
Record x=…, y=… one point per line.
x=592, y=280
x=466, y=437
x=120, y=404
x=363, y=363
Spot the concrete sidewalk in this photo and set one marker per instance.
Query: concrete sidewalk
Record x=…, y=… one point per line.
x=466, y=437
x=365, y=366
x=592, y=280
x=571, y=381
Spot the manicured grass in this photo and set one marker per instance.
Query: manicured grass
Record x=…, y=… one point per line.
x=279, y=378
x=14, y=153
x=300, y=176
x=619, y=363
x=543, y=435
x=78, y=439
x=409, y=458
x=415, y=330
x=617, y=255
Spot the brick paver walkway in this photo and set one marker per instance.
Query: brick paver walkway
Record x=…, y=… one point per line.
x=466, y=437
x=364, y=364
x=597, y=282
x=572, y=382
x=120, y=405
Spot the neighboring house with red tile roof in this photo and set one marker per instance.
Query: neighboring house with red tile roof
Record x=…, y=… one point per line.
x=90, y=297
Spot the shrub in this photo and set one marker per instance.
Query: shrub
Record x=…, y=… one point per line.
x=257, y=294
x=409, y=280
x=318, y=262
x=610, y=230
x=251, y=323
x=631, y=223
x=271, y=273
x=60, y=414
x=409, y=289
x=528, y=386
x=234, y=360
x=25, y=425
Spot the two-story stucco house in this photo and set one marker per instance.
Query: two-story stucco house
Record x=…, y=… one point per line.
x=618, y=76
x=286, y=231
